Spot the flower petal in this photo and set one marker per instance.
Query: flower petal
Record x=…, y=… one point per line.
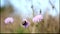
x=37, y=18
x=8, y=20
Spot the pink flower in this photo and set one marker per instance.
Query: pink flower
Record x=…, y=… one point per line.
x=37, y=18
x=9, y=20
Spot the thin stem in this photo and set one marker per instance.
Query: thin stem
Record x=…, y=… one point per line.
x=53, y=7
x=33, y=28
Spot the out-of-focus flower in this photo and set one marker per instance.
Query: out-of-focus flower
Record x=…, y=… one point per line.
x=25, y=23
x=37, y=18
x=9, y=20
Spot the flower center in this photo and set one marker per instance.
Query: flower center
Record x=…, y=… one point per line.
x=25, y=23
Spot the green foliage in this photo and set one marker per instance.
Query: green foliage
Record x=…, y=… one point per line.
x=2, y=9
x=22, y=30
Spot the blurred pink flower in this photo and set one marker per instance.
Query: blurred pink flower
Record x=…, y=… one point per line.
x=37, y=18
x=9, y=20
x=26, y=23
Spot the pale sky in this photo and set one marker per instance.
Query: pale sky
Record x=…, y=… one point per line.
x=24, y=6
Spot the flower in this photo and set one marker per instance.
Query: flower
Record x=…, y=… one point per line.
x=9, y=20
x=25, y=23
x=37, y=18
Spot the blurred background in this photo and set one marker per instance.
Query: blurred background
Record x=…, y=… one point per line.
x=20, y=9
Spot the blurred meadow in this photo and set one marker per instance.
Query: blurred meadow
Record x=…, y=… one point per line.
x=49, y=23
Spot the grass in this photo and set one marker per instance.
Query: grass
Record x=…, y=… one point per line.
x=51, y=25
x=22, y=30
